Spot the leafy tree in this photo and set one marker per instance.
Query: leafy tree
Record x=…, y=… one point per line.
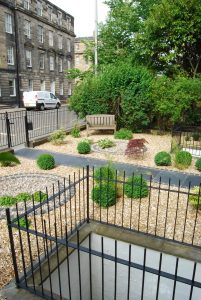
x=121, y=89
x=173, y=99
x=170, y=39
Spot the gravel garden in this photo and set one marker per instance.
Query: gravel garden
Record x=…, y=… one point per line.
x=105, y=145
x=139, y=206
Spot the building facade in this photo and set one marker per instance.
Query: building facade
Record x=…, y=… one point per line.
x=36, y=46
x=81, y=62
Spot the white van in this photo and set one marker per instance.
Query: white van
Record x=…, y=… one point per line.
x=40, y=100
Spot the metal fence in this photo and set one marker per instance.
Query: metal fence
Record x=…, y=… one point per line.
x=165, y=213
x=22, y=127
x=188, y=138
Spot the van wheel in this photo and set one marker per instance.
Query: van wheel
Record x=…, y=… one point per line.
x=42, y=107
x=57, y=106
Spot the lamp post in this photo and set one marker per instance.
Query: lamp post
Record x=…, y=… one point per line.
x=96, y=38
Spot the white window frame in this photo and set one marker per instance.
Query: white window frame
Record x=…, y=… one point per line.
x=8, y=23
x=69, y=63
x=59, y=18
x=52, y=62
x=69, y=89
x=42, y=85
x=28, y=55
x=69, y=45
x=13, y=86
x=51, y=38
x=26, y=4
x=40, y=34
x=50, y=9
x=60, y=64
x=27, y=28
x=61, y=89
x=39, y=8
x=60, y=42
x=30, y=85
x=68, y=21
x=52, y=87
x=10, y=56
x=42, y=66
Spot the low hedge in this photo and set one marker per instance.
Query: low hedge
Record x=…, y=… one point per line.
x=136, y=187
x=195, y=199
x=104, y=195
x=123, y=134
x=104, y=174
x=46, y=162
x=162, y=159
x=198, y=164
x=183, y=159
x=83, y=147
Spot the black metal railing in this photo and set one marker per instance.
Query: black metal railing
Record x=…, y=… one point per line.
x=188, y=138
x=22, y=127
x=165, y=213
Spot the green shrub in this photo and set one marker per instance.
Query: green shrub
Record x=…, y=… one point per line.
x=105, y=143
x=198, y=164
x=57, y=137
x=75, y=132
x=104, y=174
x=195, y=199
x=123, y=134
x=196, y=136
x=7, y=200
x=162, y=159
x=136, y=187
x=23, y=197
x=46, y=162
x=83, y=147
x=8, y=159
x=39, y=196
x=183, y=159
x=23, y=222
x=104, y=195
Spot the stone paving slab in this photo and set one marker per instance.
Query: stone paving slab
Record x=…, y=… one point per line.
x=147, y=172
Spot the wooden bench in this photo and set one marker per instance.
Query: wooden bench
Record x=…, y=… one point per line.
x=100, y=122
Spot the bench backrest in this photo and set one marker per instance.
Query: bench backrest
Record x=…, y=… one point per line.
x=96, y=120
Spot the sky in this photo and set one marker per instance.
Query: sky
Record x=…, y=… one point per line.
x=83, y=12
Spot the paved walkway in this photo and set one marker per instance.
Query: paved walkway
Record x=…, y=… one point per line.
x=78, y=161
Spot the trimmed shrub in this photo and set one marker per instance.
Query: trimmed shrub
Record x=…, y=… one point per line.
x=136, y=187
x=7, y=200
x=104, y=195
x=198, y=164
x=123, y=134
x=8, y=159
x=162, y=159
x=75, y=132
x=195, y=200
x=46, y=162
x=57, y=137
x=105, y=143
x=23, y=197
x=39, y=196
x=104, y=174
x=183, y=159
x=196, y=136
x=23, y=223
x=83, y=147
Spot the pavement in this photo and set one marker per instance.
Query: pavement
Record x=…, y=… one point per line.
x=158, y=175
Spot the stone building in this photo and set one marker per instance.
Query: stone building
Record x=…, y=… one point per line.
x=81, y=62
x=36, y=46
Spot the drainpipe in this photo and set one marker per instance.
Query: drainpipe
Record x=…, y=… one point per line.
x=17, y=56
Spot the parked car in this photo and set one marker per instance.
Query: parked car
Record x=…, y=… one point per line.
x=40, y=100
